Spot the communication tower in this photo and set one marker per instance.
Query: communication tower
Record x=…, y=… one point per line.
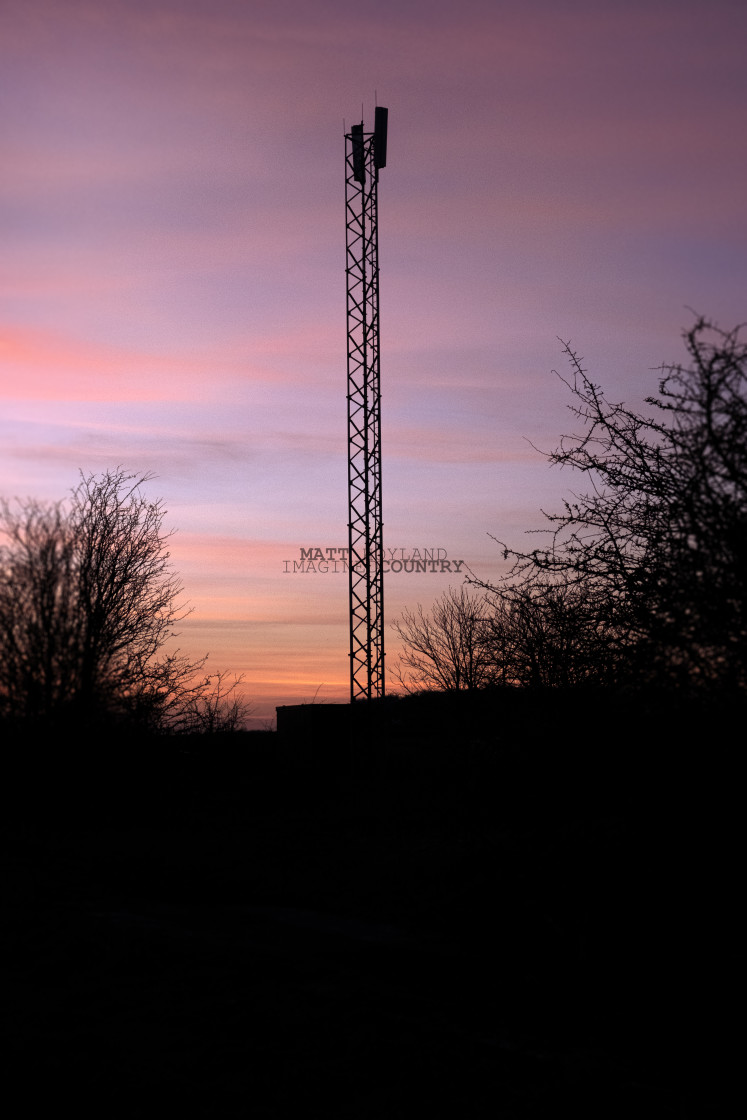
x=365, y=155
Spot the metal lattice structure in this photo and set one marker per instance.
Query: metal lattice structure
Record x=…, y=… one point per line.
x=365, y=154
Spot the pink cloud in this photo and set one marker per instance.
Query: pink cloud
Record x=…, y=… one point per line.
x=452, y=445
x=48, y=364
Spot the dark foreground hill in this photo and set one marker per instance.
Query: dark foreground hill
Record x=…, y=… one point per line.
x=516, y=923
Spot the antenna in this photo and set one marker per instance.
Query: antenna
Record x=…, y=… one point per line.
x=365, y=154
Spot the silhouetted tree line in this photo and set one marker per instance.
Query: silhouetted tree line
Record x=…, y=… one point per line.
x=642, y=580
x=88, y=604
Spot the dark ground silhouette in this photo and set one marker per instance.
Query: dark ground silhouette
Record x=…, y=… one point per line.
x=511, y=917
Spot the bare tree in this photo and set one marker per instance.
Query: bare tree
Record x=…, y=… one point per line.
x=88, y=602
x=39, y=625
x=214, y=706
x=126, y=595
x=448, y=647
x=659, y=539
x=549, y=634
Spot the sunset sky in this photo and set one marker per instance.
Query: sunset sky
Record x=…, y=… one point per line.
x=173, y=254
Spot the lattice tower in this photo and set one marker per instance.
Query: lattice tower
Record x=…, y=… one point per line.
x=365, y=155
